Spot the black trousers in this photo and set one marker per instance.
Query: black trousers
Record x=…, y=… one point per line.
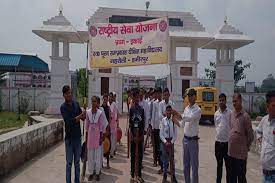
x=133, y=158
x=157, y=155
x=221, y=149
x=237, y=170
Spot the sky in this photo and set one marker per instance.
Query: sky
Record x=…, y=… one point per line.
x=254, y=18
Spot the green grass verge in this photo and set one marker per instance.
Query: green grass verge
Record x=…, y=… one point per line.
x=10, y=119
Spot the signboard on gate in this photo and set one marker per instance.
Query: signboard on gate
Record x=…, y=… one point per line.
x=132, y=44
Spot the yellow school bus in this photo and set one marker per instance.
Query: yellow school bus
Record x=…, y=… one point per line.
x=207, y=101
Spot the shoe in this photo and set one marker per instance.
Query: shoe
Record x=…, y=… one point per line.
x=132, y=180
x=140, y=180
x=174, y=179
x=90, y=178
x=111, y=157
x=108, y=166
x=164, y=179
x=160, y=171
x=155, y=164
x=97, y=177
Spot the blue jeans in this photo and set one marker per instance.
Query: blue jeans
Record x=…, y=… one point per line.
x=269, y=179
x=73, y=151
x=165, y=159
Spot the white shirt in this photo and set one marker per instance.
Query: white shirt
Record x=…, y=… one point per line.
x=266, y=131
x=146, y=108
x=190, y=120
x=221, y=120
x=114, y=109
x=167, y=130
x=155, y=115
x=162, y=107
x=150, y=103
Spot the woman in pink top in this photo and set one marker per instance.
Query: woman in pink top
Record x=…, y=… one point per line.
x=95, y=124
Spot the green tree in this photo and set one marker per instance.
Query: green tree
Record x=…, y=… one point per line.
x=268, y=83
x=82, y=82
x=211, y=71
x=239, y=71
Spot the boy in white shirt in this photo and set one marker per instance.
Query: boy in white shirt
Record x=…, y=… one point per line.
x=168, y=136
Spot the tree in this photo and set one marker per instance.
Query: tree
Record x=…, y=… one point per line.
x=211, y=72
x=268, y=83
x=82, y=82
x=239, y=71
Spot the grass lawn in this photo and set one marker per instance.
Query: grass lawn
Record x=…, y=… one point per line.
x=9, y=120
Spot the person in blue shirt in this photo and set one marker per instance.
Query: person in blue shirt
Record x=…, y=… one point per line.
x=72, y=114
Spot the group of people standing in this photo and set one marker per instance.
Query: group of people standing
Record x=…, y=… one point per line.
x=100, y=122
x=234, y=135
x=153, y=114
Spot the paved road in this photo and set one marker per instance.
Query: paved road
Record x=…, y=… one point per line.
x=50, y=166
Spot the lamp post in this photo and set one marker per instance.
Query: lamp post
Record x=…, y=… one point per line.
x=147, y=6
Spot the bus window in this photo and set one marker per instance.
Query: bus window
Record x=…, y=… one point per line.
x=208, y=96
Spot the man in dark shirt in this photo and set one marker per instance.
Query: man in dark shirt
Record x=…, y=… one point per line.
x=136, y=126
x=107, y=135
x=72, y=114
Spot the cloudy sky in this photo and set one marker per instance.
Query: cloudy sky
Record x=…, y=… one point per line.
x=253, y=17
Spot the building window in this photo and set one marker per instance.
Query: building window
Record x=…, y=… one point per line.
x=133, y=19
x=175, y=22
x=40, y=77
x=109, y=70
x=128, y=19
x=183, y=53
x=49, y=77
x=186, y=71
x=34, y=77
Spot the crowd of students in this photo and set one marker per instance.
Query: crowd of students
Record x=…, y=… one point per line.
x=152, y=114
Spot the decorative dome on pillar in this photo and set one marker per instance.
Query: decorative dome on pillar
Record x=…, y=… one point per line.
x=230, y=36
x=58, y=26
x=60, y=19
x=228, y=29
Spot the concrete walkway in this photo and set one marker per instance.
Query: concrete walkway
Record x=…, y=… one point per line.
x=50, y=166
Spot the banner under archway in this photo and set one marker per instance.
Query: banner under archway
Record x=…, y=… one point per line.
x=132, y=44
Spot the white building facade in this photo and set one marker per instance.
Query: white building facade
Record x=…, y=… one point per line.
x=140, y=81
